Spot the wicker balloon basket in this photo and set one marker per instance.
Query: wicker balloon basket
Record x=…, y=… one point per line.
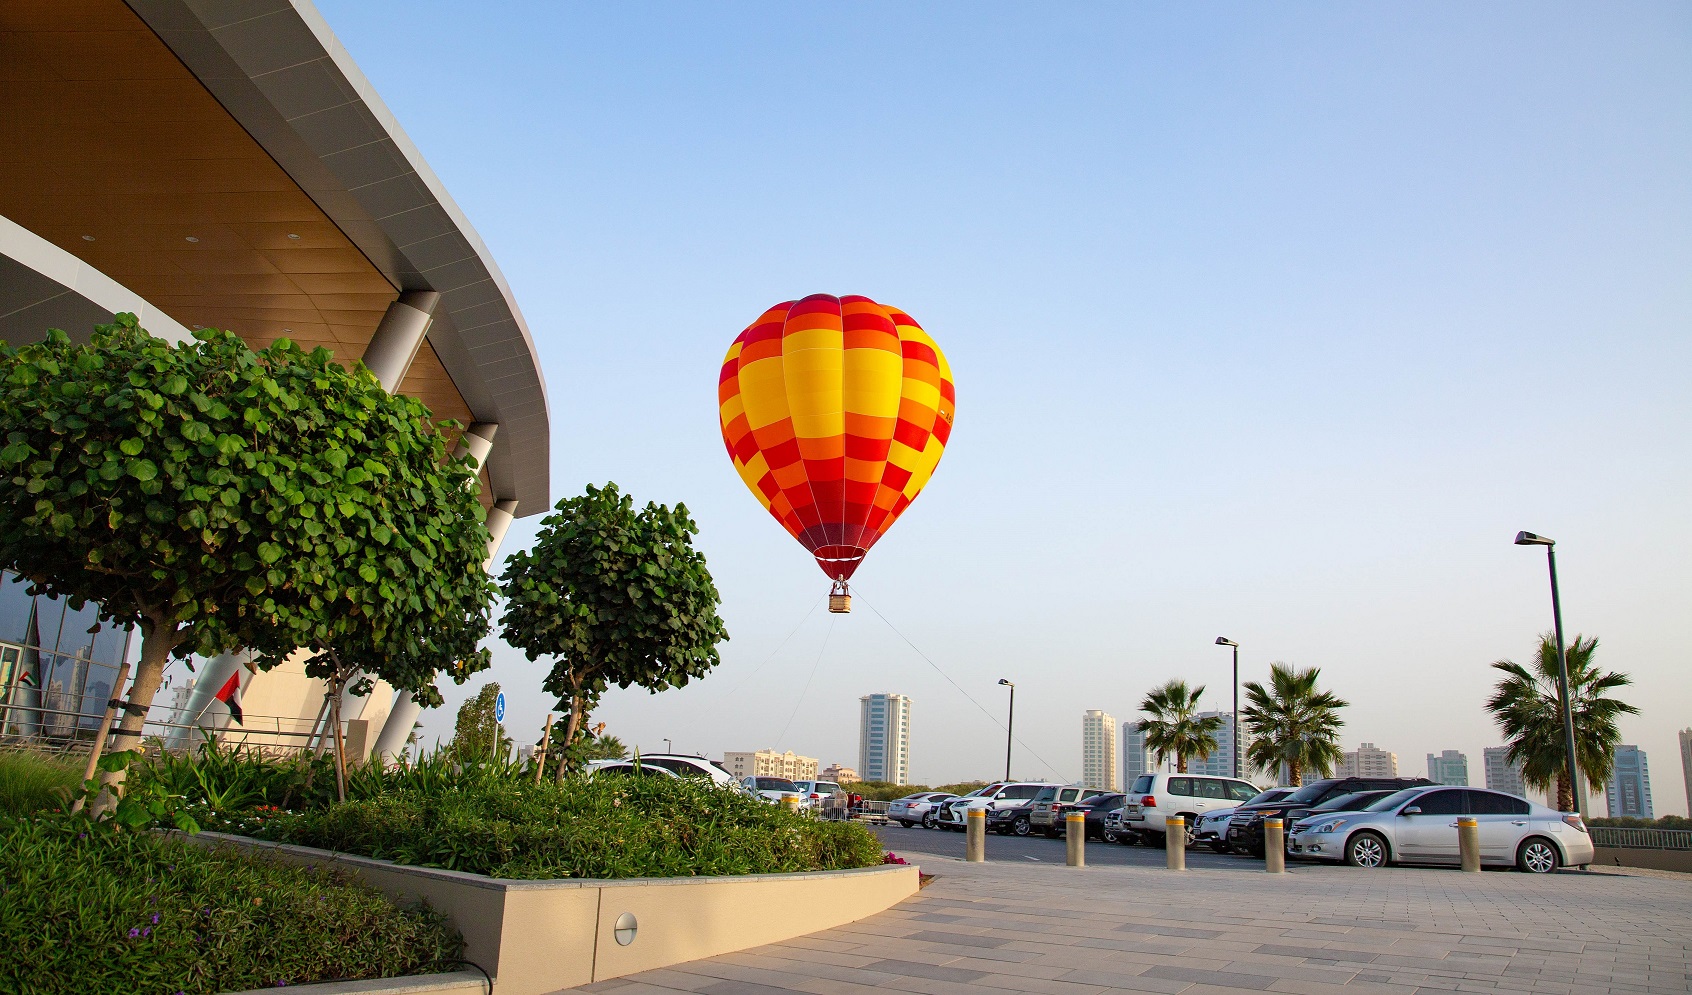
x=839, y=599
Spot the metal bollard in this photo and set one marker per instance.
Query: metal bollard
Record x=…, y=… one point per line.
x=1274, y=847
x=1469, y=843
x=1175, y=842
x=1075, y=844
x=790, y=803
x=975, y=835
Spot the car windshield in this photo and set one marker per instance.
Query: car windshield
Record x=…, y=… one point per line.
x=1142, y=784
x=776, y=784
x=1272, y=795
x=1101, y=801
x=1309, y=793
x=1351, y=802
x=1394, y=800
x=1046, y=795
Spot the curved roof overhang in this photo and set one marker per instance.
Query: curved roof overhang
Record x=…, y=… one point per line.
x=231, y=165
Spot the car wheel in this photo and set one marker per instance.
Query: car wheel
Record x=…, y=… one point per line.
x=1157, y=841
x=1111, y=837
x=1366, y=850
x=1191, y=829
x=905, y=822
x=1221, y=848
x=1537, y=856
x=1021, y=826
x=928, y=821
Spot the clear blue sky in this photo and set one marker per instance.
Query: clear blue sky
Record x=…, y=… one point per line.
x=1272, y=321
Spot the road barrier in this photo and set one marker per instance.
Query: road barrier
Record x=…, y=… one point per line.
x=1274, y=847
x=1075, y=844
x=1469, y=843
x=1175, y=842
x=790, y=802
x=975, y=835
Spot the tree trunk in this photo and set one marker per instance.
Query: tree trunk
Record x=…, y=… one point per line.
x=572, y=725
x=1180, y=764
x=1295, y=775
x=158, y=637
x=1565, y=793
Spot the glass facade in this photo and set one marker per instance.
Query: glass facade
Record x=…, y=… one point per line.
x=56, y=665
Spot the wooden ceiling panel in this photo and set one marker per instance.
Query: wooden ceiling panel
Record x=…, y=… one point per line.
x=107, y=135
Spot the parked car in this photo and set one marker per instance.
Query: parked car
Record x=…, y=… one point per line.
x=629, y=768
x=817, y=793
x=917, y=809
x=1008, y=811
x=1419, y=825
x=1043, y=814
x=951, y=815
x=774, y=790
x=1095, y=809
x=1245, y=830
x=1356, y=801
x=1155, y=798
x=682, y=764
x=1212, y=827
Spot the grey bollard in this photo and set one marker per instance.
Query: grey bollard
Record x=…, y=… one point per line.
x=1274, y=847
x=1175, y=842
x=1075, y=844
x=1469, y=843
x=790, y=803
x=975, y=835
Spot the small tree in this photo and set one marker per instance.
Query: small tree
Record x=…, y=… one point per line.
x=1173, y=728
x=473, y=735
x=216, y=497
x=614, y=597
x=1291, y=723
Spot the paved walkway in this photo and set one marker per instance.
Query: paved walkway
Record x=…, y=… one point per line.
x=1005, y=928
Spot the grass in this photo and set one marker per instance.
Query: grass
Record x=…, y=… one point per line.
x=87, y=909
x=31, y=781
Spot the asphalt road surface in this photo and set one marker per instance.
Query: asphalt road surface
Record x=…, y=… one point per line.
x=1038, y=849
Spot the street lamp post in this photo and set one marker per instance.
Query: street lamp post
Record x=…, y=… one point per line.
x=1235, y=733
x=1529, y=539
x=667, y=747
x=1010, y=723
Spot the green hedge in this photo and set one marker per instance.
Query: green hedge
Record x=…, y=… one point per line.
x=86, y=910
x=499, y=824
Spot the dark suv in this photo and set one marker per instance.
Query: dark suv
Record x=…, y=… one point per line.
x=1245, y=830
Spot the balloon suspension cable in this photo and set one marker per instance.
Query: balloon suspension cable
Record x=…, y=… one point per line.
x=839, y=597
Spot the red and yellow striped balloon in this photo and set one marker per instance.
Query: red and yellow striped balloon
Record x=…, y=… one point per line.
x=835, y=411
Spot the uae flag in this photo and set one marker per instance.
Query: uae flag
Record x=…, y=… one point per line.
x=230, y=694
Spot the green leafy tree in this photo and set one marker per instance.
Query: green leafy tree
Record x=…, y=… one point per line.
x=1528, y=706
x=614, y=596
x=1172, y=727
x=216, y=497
x=602, y=746
x=473, y=735
x=1292, y=723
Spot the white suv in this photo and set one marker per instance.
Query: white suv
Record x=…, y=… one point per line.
x=679, y=764
x=1155, y=798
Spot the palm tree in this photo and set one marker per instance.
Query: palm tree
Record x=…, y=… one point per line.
x=1172, y=729
x=1529, y=708
x=1292, y=724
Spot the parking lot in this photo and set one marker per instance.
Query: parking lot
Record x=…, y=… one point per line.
x=1036, y=849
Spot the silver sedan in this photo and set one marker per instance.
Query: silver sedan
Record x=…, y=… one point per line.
x=1419, y=825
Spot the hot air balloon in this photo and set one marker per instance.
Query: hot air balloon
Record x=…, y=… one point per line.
x=835, y=411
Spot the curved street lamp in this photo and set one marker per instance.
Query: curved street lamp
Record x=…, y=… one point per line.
x=1529, y=539
x=1234, y=734
x=1010, y=722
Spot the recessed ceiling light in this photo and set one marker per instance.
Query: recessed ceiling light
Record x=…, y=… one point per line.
x=192, y=239
x=292, y=235
x=88, y=238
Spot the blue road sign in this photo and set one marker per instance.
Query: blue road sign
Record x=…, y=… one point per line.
x=499, y=707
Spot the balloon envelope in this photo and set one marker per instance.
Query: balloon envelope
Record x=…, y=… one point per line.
x=836, y=411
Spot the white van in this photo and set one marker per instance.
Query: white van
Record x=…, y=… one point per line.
x=1154, y=798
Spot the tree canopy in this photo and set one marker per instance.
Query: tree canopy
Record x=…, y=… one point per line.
x=218, y=497
x=614, y=596
x=1292, y=723
x=1528, y=706
x=1172, y=727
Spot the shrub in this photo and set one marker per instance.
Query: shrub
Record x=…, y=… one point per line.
x=88, y=909
x=493, y=821
x=31, y=781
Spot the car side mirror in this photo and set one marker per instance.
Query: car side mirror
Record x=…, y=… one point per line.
x=1411, y=810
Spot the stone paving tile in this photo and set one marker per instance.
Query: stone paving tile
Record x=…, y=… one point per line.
x=1015, y=928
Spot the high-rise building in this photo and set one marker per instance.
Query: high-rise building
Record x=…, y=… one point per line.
x=884, y=738
x=1628, y=792
x=1686, y=765
x=1369, y=761
x=769, y=763
x=1136, y=759
x=1501, y=775
x=1220, y=763
x=1449, y=767
x=1098, y=750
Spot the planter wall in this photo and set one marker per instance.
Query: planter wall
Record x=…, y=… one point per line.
x=1662, y=860
x=456, y=983
x=540, y=936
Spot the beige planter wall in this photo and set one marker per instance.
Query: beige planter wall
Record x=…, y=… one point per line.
x=537, y=937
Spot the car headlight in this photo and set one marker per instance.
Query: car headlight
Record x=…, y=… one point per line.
x=1331, y=825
